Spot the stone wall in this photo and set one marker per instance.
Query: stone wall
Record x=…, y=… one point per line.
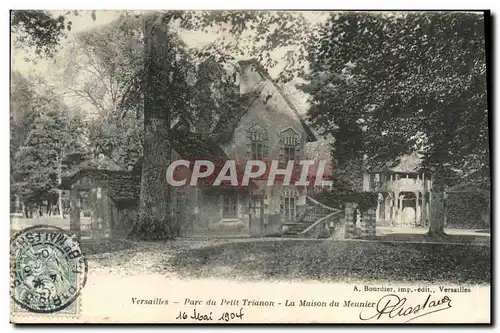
x=368, y=224
x=103, y=211
x=349, y=222
x=363, y=226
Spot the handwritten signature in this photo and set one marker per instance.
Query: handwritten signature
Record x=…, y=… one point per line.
x=394, y=306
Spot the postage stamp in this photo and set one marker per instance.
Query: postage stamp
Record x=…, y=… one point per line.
x=48, y=269
x=250, y=166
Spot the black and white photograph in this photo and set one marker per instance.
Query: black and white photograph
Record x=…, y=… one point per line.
x=250, y=166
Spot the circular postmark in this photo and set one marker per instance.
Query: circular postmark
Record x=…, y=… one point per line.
x=48, y=269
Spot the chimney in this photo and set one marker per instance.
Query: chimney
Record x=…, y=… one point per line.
x=248, y=77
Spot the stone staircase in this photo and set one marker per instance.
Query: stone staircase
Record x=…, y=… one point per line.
x=314, y=212
x=295, y=228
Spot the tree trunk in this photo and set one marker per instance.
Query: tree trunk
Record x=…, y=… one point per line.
x=25, y=210
x=438, y=212
x=59, y=180
x=153, y=221
x=74, y=213
x=486, y=211
x=60, y=204
x=440, y=180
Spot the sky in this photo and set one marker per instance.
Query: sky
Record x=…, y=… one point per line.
x=83, y=22
x=48, y=68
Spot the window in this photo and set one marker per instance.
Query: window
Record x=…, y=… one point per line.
x=375, y=181
x=257, y=143
x=229, y=206
x=289, y=153
x=288, y=208
x=255, y=205
x=288, y=205
x=257, y=151
x=290, y=140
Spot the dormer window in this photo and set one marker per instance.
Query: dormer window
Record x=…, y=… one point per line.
x=290, y=141
x=257, y=143
x=289, y=153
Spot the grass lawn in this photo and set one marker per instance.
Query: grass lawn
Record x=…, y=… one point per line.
x=476, y=238
x=341, y=261
x=319, y=260
x=295, y=259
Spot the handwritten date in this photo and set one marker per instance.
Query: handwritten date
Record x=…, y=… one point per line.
x=198, y=316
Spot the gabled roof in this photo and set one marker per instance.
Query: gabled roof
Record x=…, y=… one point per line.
x=310, y=135
x=407, y=164
x=195, y=146
x=224, y=129
x=121, y=185
x=228, y=125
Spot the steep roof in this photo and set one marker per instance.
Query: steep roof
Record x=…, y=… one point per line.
x=264, y=73
x=193, y=146
x=224, y=129
x=121, y=185
x=407, y=164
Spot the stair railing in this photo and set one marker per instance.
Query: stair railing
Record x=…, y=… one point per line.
x=324, y=217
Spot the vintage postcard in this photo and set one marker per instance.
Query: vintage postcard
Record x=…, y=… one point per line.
x=249, y=167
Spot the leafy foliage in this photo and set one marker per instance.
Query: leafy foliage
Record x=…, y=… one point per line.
x=41, y=30
x=39, y=153
x=364, y=200
x=389, y=84
x=106, y=66
x=23, y=106
x=468, y=210
x=115, y=142
x=105, y=70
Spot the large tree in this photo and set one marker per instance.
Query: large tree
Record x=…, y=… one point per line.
x=41, y=30
x=168, y=92
x=388, y=84
x=44, y=135
x=103, y=69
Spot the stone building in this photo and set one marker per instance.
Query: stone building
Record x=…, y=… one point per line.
x=404, y=192
x=110, y=198
x=267, y=128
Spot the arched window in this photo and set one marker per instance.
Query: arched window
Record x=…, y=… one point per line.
x=290, y=145
x=257, y=143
